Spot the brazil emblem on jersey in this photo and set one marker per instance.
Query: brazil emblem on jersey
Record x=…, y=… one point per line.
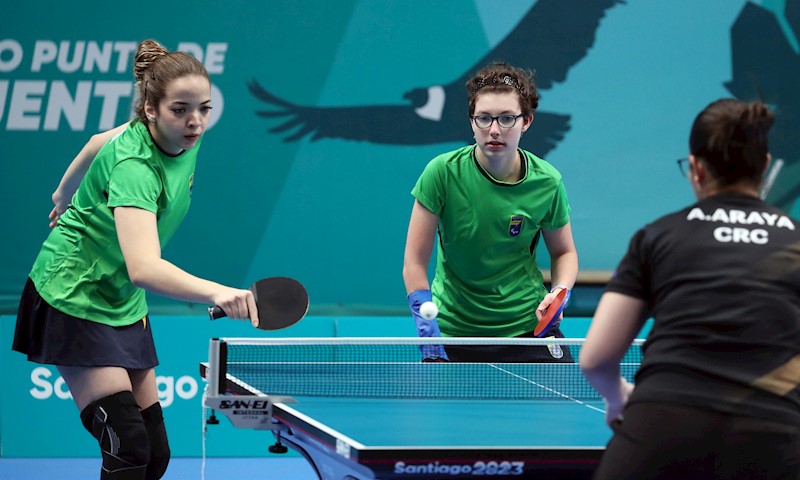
x=515, y=225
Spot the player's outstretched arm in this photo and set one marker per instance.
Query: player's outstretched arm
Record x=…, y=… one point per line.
x=76, y=170
x=617, y=320
x=419, y=245
x=563, y=263
x=137, y=231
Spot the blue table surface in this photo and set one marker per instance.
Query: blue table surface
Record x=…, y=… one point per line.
x=457, y=423
x=436, y=405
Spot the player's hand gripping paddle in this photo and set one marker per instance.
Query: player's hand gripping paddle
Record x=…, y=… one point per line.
x=553, y=312
x=281, y=302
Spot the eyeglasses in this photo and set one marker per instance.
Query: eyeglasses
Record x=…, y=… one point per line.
x=486, y=121
x=683, y=166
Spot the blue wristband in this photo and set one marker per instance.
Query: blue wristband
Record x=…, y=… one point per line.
x=425, y=328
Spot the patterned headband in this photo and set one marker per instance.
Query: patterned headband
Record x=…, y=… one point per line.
x=493, y=80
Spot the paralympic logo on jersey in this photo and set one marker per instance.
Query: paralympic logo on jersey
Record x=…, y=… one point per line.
x=515, y=225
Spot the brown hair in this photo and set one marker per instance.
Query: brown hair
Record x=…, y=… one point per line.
x=730, y=136
x=500, y=77
x=154, y=68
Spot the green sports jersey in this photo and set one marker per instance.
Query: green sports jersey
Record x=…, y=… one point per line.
x=487, y=282
x=80, y=269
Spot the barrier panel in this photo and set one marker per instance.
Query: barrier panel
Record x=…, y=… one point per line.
x=39, y=419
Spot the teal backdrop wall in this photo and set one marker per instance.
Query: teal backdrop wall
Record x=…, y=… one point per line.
x=318, y=189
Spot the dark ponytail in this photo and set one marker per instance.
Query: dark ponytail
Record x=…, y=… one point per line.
x=730, y=136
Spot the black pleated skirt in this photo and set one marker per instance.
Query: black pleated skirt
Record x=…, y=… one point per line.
x=49, y=336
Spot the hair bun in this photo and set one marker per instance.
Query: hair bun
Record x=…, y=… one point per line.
x=148, y=52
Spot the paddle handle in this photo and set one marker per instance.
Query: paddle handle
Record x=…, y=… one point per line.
x=215, y=312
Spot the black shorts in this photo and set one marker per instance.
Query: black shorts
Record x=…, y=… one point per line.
x=511, y=353
x=49, y=336
x=666, y=441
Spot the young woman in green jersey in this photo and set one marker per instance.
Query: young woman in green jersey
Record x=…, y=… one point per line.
x=490, y=203
x=83, y=308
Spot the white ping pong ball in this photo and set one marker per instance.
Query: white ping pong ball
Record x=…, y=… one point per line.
x=428, y=310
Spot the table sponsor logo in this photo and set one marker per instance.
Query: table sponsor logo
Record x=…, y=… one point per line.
x=253, y=414
x=244, y=404
x=479, y=469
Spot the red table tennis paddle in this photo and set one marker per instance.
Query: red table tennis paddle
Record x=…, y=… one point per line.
x=552, y=313
x=281, y=302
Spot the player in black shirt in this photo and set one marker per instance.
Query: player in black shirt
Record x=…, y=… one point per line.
x=717, y=394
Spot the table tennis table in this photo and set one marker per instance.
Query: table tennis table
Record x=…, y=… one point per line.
x=367, y=408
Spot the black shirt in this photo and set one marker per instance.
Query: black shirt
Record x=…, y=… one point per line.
x=722, y=281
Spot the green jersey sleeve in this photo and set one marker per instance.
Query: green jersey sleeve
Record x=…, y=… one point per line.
x=134, y=183
x=558, y=214
x=429, y=189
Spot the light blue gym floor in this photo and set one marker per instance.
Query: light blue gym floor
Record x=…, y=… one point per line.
x=290, y=468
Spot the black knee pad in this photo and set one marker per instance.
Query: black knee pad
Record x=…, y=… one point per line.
x=117, y=424
x=159, y=445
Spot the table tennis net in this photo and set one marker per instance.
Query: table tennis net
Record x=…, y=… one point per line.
x=382, y=368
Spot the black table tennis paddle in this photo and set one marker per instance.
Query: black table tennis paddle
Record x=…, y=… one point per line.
x=281, y=302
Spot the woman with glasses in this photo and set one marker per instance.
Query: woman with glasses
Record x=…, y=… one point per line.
x=490, y=202
x=718, y=392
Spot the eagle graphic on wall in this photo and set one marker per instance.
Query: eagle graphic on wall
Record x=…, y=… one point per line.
x=550, y=39
x=766, y=66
